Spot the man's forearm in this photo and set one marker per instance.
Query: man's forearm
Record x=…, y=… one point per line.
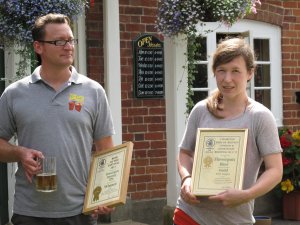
x=9, y=152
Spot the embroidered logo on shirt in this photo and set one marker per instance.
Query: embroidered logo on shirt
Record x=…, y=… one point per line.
x=76, y=102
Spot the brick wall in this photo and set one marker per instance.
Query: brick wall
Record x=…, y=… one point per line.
x=94, y=42
x=286, y=14
x=143, y=120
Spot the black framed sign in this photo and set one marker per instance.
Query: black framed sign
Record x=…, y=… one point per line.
x=148, y=61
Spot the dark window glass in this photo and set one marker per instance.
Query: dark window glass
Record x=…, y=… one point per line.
x=222, y=36
x=261, y=49
x=199, y=95
x=200, y=75
x=264, y=97
x=201, y=52
x=262, y=76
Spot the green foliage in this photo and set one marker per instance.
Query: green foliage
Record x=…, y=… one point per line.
x=181, y=17
x=17, y=18
x=290, y=143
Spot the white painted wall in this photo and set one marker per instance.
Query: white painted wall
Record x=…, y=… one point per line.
x=176, y=89
x=10, y=70
x=112, y=63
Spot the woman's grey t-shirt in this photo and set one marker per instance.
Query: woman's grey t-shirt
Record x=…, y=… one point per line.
x=262, y=140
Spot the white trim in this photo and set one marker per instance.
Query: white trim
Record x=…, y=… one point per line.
x=255, y=29
x=176, y=89
x=80, y=51
x=112, y=63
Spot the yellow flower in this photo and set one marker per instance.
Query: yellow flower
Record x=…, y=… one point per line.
x=287, y=186
x=296, y=135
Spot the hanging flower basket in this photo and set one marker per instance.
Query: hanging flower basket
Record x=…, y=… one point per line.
x=181, y=16
x=176, y=17
x=17, y=18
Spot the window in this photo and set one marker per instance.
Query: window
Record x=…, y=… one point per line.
x=266, y=87
x=262, y=78
x=200, y=84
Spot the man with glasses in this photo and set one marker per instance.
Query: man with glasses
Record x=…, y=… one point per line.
x=54, y=112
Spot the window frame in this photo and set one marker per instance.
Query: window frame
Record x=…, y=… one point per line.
x=253, y=30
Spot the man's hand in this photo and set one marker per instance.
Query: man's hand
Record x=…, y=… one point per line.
x=28, y=159
x=102, y=210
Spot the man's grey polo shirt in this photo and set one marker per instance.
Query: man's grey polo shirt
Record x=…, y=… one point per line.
x=62, y=124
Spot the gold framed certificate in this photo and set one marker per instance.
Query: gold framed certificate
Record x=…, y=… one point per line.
x=108, y=177
x=219, y=160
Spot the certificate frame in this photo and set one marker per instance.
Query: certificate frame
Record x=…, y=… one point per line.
x=108, y=177
x=219, y=160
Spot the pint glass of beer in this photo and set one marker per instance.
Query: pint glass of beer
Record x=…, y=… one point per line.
x=46, y=180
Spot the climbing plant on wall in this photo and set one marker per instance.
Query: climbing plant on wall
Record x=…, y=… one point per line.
x=181, y=17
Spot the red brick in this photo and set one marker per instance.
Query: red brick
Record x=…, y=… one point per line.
x=127, y=137
x=290, y=4
x=153, y=119
x=159, y=177
x=158, y=144
x=139, y=154
x=141, y=187
x=154, y=136
x=141, y=145
x=139, y=137
x=156, y=169
x=158, y=193
x=156, y=127
x=156, y=185
x=158, y=161
x=141, y=178
x=133, y=10
x=140, y=195
x=140, y=170
x=137, y=111
x=156, y=153
x=135, y=27
x=140, y=162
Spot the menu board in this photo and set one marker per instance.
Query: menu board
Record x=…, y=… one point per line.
x=148, y=56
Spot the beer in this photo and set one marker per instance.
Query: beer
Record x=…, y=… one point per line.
x=46, y=182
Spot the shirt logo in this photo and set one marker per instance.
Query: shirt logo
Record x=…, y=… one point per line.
x=76, y=102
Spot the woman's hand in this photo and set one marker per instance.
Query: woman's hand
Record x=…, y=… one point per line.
x=231, y=197
x=185, y=192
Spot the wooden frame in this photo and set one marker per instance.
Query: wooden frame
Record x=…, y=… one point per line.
x=219, y=160
x=108, y=177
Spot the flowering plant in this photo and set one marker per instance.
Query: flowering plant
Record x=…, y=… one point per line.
x=181, y=16
x=17, y=18
x=290, y=143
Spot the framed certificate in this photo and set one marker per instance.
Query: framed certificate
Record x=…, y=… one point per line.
x=219, y=160
x=108, y=177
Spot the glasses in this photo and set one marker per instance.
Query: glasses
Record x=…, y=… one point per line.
x=61, y=42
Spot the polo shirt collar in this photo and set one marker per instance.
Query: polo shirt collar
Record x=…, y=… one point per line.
x=74, y=78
